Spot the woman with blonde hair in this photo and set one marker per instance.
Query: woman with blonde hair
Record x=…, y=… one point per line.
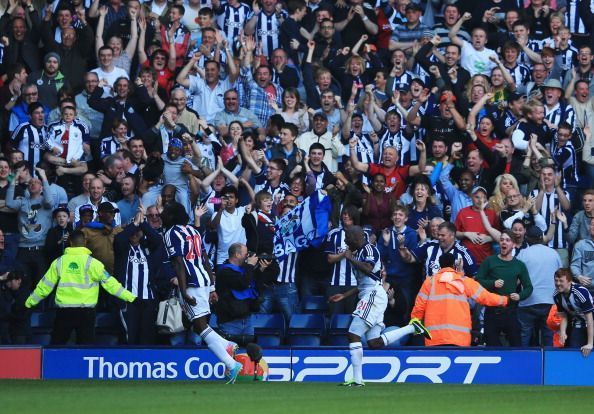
x=503, y=184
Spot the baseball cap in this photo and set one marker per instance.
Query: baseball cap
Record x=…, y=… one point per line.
x=106, y=207
x=479, y=188
x=61, y=208
x=321, y=114
x=534, y=232
x=176, y=143
x=86, y=208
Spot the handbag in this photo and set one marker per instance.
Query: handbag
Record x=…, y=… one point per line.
x=169, y=316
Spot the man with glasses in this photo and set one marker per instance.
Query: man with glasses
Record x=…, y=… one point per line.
x=233, y=112
x=185, y=116
x=516, y=208
x=584, y=69
x=539, y=75
x=20, y=112
x=31, y=137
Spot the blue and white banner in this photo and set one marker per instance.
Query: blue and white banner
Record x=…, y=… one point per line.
x=306, y=225
x=568, y=367
x=421, y=365
x=159, y=364
x=459, y=366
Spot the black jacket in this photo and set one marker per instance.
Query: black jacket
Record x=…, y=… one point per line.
x=232, y=278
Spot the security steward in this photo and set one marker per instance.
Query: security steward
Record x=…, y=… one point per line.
x=76, y=276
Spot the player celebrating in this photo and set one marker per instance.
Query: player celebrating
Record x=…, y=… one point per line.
x=196, y=283
x=368, y=317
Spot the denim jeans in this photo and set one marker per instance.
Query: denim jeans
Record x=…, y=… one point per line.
x=535, y=317
x=238, y=327
x=280, y=297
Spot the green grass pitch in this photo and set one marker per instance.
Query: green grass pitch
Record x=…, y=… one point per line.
x=145, y=397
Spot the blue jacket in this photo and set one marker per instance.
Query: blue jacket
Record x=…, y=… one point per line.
x=396, y=268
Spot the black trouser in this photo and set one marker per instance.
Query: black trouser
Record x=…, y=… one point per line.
x=34, y=264
x=139, y=319
x=498, y=320
x=80, y=320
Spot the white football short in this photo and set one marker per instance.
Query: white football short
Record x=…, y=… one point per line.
x=202, y=306
x=371, y=306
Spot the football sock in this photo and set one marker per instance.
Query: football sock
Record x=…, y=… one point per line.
x=392, y=336
x=356, y=351
x=217, y=345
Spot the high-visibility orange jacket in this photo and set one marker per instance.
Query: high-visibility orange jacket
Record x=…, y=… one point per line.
x=554, y=323
x=442, y=304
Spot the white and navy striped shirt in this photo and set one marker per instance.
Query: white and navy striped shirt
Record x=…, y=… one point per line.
x=575, y=304
x=550, y=202
x=30, y=140
x=535, y=46
x=567, y=162
x=521, y=75
x=288, y=269
x=109, y=146
x=185, y=241
x=561, y=112
x=366, y=281
x=403, y=80
x=268, y=31
x=430, y=252
x=342, y=272
x=231, y=20
x=398, y=140
x=573, y=19
x=137, y=273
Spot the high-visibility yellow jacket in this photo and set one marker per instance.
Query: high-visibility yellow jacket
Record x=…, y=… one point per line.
x=77, y=276
x=442, y=304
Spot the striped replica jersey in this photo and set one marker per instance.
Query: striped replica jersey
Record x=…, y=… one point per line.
x=430, y=252
x=268, y=31
x=561, y=112
x=232, y=19
x=550, y=202
x=288, y=269
x=399, y=140
x=566, y=160
x=575, y=304
x=521, y=75
x=185, y=241
x=366, y=281
x=137, y=273
x=342, y=272
x=30, y=140
x=109, y=146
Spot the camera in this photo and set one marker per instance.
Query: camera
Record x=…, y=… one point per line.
x=266, y=256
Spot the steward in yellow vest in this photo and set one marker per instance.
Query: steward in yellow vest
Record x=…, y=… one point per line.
x=76, y=276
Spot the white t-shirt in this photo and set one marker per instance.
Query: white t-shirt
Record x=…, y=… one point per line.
x=476, y=62
x=111, y=77
x=230, y=231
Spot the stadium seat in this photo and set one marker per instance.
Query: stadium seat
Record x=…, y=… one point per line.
x=315, y=304
x=269, y=328
x=42, y=324
x=212, y=322
x=306, y=329
x=107, y=329
x=339, y=326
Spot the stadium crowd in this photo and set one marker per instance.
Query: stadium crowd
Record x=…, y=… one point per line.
x=439, y=127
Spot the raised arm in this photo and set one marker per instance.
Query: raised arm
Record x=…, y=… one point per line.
x=100, y=27
x=357, y=165
x=453, y=34
x=183, y=76
x=131, y=46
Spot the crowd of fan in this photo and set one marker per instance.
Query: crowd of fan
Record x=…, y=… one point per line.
x=441, y=126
